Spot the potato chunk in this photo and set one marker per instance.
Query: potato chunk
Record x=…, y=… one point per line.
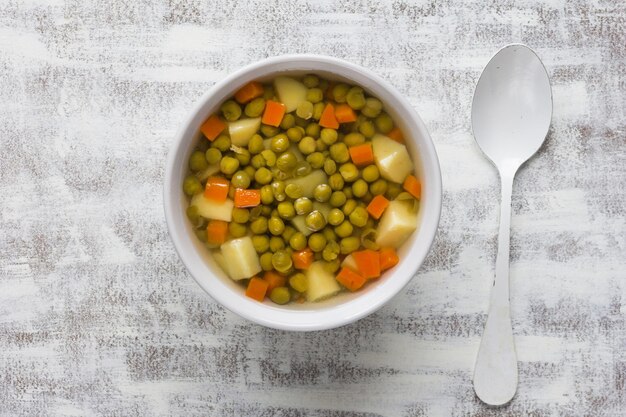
x=392, y=158
x=290, y=92
x=242, y=259
x=321, y=284
x=397, y=223
x=242, y=130
x=210, y=209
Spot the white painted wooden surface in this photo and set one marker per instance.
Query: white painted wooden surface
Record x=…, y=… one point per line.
x=99, y=317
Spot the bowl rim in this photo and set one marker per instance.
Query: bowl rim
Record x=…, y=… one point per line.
x=340, y=314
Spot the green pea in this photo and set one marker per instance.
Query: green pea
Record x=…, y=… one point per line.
x=213, y=156
x=255, y=107
x=340, y=91
x=289, y=231
x=276, y=226
x=372, y=107
x=310, y=80
x=330, y=167
x=315, y=221
x=313, y=130
x=318, y=109
x=293, y=191
x=240, y=179
x=197, y=161
x=286, y=210
x=323, y=85
x=355, y=98
x=335, y=217
x=276, y=243
x=358, y=217
x=329, y=234
x=266, y=261
x=263, y=176
x=370, y=173
x=367, y=129
x=305, y=110
x=250, y=171
x=279, y=143
x=241, y=215
x=320, y=146
x=337, y=199
x=384, y=123
x=328, y=136
x=288, y=121
x=367, y=198
x=344, y=229
x=280, y=295
x=316, y=160
x=269, y=157
x=192, y=185
x=256, y=212
x=317, y=242
x=259, y=226
x=202, y=235
x=349, y=172
x=281, y=260
x=278, y=188
x=298, y=282
x=348, y=245
x=330, y=254
x=269, y=131
x=307, y=145
x=266, y=210
x=336, y=182
x=267, y=195
x=237, y=229
x=303, y=205
x=222, y=143
x=231, y=110
x=255, y=145
x=393, y=190
x=378, y=187
x=294, y=134
x=349, y=207
x=257, y=161
x=339, y=152
x=261, y=243
x=322, y=193
x=228, y=165
x=314, y=95
x=297, y=241
x=353, y=139
x=231, y=192
x=302, y=169
x=193, y=214
x=359, y=188
x=243, y=156
x=286, y=162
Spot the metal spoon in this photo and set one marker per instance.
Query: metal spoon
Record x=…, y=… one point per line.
x=511, y=114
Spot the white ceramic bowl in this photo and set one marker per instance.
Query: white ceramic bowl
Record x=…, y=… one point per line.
x=346, y=307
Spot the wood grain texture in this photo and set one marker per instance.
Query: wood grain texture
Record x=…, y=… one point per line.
x=99, y=317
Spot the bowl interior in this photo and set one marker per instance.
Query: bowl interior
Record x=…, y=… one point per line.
x=327, y=313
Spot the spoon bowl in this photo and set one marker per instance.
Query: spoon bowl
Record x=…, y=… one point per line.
x=511, y=114
x=512, y=105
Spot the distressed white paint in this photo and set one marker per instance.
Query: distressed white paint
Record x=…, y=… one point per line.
x=99, y=317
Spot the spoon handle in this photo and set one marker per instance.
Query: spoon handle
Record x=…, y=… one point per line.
x=495, y=374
